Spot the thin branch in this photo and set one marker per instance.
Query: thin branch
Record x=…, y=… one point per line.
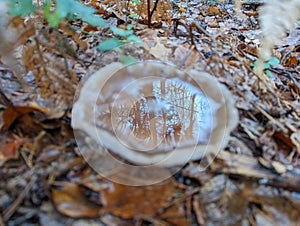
x=150, y=14
x=12, y=209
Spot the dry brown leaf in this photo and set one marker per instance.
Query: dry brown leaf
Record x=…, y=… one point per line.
x=128, y=201
x=295, y=137
x=11, y=113
x=10, y=151
x=175, y=215
x=160, y=52
x=213, y=10
x=186, y=56
x=70, y=201
x=50, y=153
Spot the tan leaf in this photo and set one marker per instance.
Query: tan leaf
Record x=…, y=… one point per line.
x=160, y=52
x=70, y=201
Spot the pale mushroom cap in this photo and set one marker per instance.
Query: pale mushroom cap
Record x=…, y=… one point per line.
x=120, y=108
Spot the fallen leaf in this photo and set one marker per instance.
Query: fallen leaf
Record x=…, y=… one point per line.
x=50, y=153
x=12, y=113
x=128, y=201
x=212, y=10
x=291, y=62
x=175, y=215
x=160, y=52
x=185, y=56
x=10, y=151
x=295, y=137
x=71, y=201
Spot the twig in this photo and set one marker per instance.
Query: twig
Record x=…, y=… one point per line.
x=178, y=200
x=199, y=28
x=271, y=118
x=177, y=23
x=294, y=80
x=150, y=13
x=248, y=167
x=12, y=209
x=140, y=217
x=153, y=10
x=197, y=211
x=4, y=98
x=289, y=73
x=1, y=221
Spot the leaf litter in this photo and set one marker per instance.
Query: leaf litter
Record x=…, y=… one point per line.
x=254, y=181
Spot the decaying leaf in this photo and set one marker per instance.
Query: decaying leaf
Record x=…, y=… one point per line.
x=185, y=56
x=11, y=113
x=10, y=151
x=295, y=137
x=71, y=201
x=128, y=201
x=160, y=52
x=175, y=215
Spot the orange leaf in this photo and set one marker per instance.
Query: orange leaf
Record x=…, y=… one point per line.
x=10, y=151
x=11, y=113
x=70, y=201
x=127, y=201
x=212, y=10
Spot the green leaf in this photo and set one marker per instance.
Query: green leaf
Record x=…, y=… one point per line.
x=226, y=47
x=133, y=15
x=269, y=73
x=136, y=1
x=54, y=18
x=133, y=38
x=96, y=21
x=273, y=61
x=20, y=8
x=121, y=32
x=254, y=64
x=129, y=27
x=127, y=60
x=72, y=10
x=110, y=44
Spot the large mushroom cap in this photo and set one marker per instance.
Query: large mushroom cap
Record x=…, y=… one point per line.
x=150, y=113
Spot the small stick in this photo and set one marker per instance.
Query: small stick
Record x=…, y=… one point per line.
x=280, y=125
x=1, y=221
x=197, y=212
x=12, y=209
x=178, y=200
x=150, y=13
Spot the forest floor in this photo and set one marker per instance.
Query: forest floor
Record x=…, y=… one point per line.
x=254, y=181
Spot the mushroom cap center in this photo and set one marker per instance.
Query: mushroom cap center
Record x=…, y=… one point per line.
x=155, y=114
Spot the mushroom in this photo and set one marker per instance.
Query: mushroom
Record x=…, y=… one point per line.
x=151, y=113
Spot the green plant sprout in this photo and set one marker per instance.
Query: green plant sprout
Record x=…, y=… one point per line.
x=273, y=61
x=74, y=10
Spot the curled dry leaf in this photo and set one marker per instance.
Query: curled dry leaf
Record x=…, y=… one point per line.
x=70, y=201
